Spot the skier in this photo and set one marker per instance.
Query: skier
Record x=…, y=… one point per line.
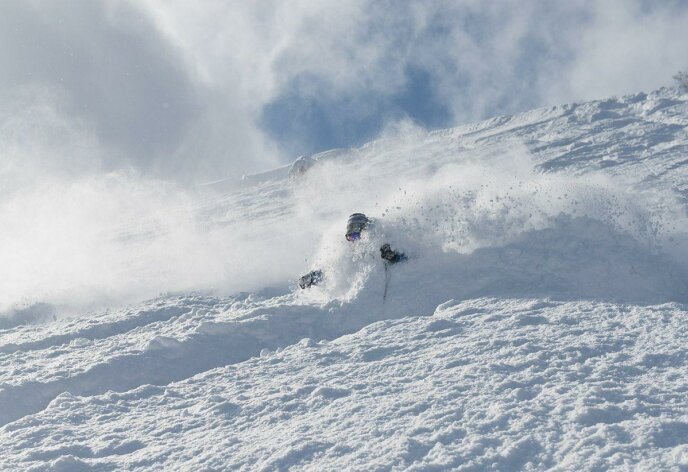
x=355, y=226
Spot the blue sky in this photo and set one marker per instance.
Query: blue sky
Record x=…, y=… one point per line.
x=189, y=91
x=305, y=124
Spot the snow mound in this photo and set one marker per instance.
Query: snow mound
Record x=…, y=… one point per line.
x=485, y=384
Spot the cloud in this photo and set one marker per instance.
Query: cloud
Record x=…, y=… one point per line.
x=106, y=65
x=314, y=75
x=189, y=91
x=98, y=57
x=624, y=47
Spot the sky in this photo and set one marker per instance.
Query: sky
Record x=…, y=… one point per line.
x=199, y=90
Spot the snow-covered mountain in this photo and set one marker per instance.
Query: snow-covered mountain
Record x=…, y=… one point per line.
x=539, y=323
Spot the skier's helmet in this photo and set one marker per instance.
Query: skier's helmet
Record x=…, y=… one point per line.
x=355, y=226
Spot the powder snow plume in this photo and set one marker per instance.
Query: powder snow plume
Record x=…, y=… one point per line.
x=106, y=238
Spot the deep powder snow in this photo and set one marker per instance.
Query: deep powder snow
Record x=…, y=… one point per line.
x=538, y=324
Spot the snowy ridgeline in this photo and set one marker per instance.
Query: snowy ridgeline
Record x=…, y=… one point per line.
x=539, y=322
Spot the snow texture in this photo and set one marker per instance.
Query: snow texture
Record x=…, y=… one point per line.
x=540, y=322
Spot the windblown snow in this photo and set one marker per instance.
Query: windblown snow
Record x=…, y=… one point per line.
x=540, y=322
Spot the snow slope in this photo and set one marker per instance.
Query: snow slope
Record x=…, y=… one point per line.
x=540, y=323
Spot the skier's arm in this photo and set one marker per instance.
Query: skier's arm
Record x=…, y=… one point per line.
x=390, y=255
